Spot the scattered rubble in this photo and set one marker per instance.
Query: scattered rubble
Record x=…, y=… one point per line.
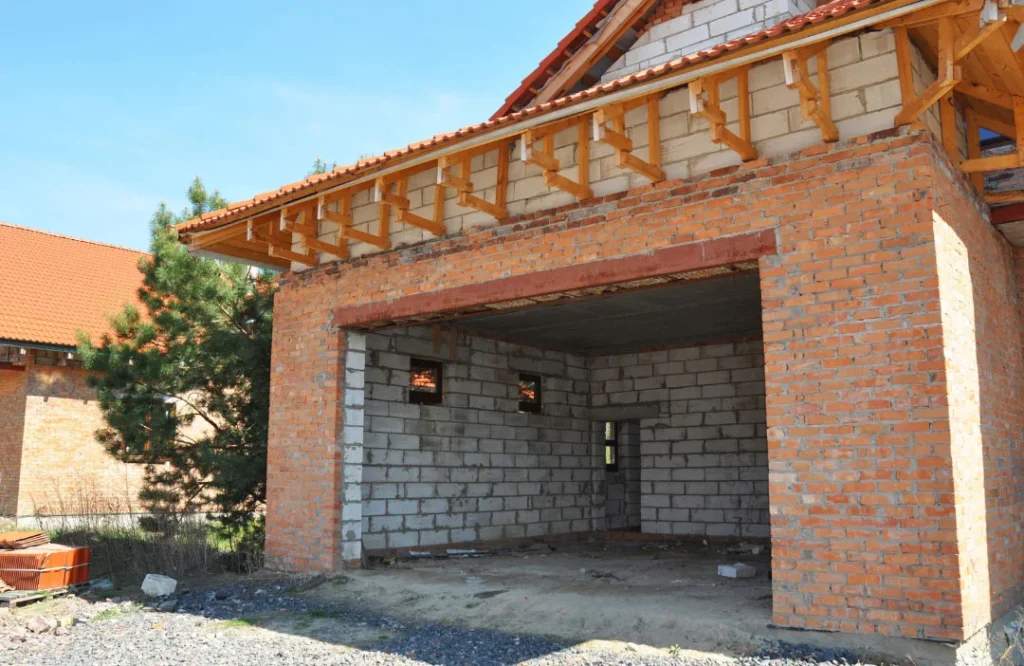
x=156, y=585
x=737, y=570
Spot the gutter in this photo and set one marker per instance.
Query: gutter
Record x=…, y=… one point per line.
x=659, y=85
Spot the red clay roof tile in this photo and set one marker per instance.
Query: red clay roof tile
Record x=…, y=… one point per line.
x=53, y=286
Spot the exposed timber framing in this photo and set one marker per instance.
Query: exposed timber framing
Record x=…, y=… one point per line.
x=305, y=223
x=706, y=103
x=1016, y=196
x=815, y=102
x=947, y=10
x=615, y=136
x=549, y=164
x=947, y=77
x=343, y=218
x=399, y=200
x=464, y=187
x=1012, y=160
x=279, y=244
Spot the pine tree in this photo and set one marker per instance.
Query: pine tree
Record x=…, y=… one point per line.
x=184, y=386
x=320, y=166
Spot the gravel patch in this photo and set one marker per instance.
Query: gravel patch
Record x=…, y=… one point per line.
x=244, y=624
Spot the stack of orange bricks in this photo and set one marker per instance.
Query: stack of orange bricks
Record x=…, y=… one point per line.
x=29, y=562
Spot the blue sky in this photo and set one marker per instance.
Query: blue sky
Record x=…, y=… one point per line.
x=109, y=108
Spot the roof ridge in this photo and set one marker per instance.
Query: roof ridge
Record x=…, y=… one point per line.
x=71, y=238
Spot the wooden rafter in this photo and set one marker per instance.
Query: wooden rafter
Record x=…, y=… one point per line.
x=615, y=136
x=463, y=184
x=947, y=76
x=815, y=101
x=399, y=200
x=581, y=62
x=705, y=103
x=544, y=157
x=1012, y=160
x=996, y=97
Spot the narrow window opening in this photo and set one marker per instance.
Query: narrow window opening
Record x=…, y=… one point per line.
x=426, y=380
x=611, y=446
x=529, y=393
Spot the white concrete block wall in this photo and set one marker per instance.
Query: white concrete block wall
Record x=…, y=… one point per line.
x=704, y=459
x=702, y=25
x=474, y=468
x=865, y=98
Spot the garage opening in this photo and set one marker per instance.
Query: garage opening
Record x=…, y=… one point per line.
x=633, y=420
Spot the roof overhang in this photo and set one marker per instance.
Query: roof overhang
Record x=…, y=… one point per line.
x=255, y=230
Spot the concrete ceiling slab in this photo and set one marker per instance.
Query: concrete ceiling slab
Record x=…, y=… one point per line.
x=686, y=313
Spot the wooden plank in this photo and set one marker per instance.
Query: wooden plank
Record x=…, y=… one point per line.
x=743, y=92
x=501, y=188
x=995, y=125
x=904, y=65
x=967, y=43
x=974, y=147
x=583, y=155
x=985, y=94
x=947, y=118
x=1005, y=197
x=946, y=10
x=921, y=103
x=654, y=129
x=994, y=163
x=356, y=234
x=621, y=20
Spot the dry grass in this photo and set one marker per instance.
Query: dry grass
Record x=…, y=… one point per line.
x=126, y=545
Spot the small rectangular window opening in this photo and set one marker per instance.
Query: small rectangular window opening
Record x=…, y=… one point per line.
x=529, y=393
x=426, y=379
x=611, y=446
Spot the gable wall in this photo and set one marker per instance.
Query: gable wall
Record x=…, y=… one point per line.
x=679, y=29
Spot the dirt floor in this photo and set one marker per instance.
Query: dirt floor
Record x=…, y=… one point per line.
x=655, y=595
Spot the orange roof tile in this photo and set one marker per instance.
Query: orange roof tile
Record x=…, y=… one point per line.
x=340, y=175
x=52, y=286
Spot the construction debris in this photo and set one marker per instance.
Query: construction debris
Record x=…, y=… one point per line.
x=155, y=585
x=21, y=540
x=737, y=570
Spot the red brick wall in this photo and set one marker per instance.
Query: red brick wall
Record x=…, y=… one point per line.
x=304, y=467
x=663, y=11
x=12, y=419
x=863, y=518
x=985, y=370
x=64, y=469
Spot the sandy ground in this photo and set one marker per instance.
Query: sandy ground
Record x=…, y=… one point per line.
x=652, y=595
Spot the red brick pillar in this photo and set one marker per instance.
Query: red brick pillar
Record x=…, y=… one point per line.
x=305, y=449
x=862, y=499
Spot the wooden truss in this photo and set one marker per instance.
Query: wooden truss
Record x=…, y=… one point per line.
x=305, y=223
x=815, y=101
x=464, y=187
x=706, y=103
x=544, y=157
x=278, y=242
x=615, y=136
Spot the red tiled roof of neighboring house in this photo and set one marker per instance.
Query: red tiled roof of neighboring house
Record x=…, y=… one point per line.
x=53, y=286
x=340, y=175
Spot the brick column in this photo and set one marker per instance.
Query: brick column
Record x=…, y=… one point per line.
x=305, y=444
x=862, y=499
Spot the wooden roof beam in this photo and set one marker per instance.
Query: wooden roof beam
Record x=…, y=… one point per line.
x=704, y=103
x=615, y=136
x=947, y=76
x=815, y=101
x=549, y=164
